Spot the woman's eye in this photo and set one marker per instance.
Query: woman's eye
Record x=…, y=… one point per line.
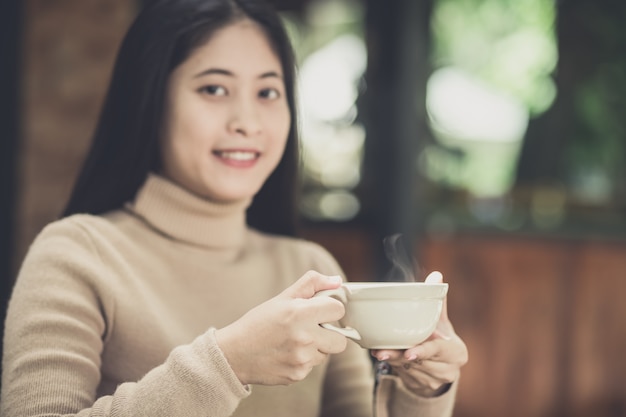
x=269, y=93
x=214, y=90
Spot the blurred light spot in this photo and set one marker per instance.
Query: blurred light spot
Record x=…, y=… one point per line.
x=333, y=60
x=441, y=165
x=340, y=175
x=466, y=108
x=339, y=205
x=524, y=60
x=592, y=186
x=548, y=206
x=332, y=154
x=325, y=13
x=329, y=77
x=330, y=205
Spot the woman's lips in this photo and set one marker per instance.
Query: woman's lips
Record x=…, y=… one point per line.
x=238, y=158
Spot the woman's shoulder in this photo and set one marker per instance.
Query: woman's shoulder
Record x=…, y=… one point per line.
x=78, y=228
x=61, y=245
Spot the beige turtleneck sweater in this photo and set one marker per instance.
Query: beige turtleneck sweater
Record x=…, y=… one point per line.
x=114, y=315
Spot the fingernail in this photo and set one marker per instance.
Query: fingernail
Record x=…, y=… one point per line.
x=383, y=357
x=434, y=277
x=412, y=357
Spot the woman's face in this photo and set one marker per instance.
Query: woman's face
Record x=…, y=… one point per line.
x=227, y=117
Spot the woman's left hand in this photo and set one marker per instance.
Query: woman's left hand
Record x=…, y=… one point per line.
x=429, y=368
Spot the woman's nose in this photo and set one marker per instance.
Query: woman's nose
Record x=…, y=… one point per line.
x=245, y=119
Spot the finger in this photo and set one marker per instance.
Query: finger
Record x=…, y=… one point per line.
x=439, y=350
x=299, y=370
x=310, y=283
x=330, y=342
x=324, y=309
x=318, y=358
x=387, y=354
x=426, y=366
x=442, y=372
x=429, y=350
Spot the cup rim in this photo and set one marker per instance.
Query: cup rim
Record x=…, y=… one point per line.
x=437, y=290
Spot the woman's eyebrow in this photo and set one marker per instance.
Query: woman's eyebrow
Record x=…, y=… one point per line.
x=213, y=71
x=221, y=71
x=271, y=74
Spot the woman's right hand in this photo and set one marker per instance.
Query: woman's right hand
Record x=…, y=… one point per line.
x=280, y=341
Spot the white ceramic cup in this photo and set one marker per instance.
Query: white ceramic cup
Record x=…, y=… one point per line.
x=388, y=315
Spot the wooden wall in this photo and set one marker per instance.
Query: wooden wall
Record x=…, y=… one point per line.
x=68, y=52
x=544, y=320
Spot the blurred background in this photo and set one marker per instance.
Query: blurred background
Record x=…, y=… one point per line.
x=490, y=134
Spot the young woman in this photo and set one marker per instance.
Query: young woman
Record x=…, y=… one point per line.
x=173, y=284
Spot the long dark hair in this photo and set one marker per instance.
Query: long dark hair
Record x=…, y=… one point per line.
x=125, y=145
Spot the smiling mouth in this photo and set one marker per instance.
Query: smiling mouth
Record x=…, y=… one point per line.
x=239, y=156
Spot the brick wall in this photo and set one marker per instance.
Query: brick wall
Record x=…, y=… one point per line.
x=68, y=51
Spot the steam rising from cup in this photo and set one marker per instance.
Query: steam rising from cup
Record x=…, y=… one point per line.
x=403, y=265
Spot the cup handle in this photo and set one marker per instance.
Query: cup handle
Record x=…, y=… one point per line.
x=346, y=331
x=340, y=295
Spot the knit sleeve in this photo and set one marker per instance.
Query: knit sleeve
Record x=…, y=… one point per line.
x=55, y=330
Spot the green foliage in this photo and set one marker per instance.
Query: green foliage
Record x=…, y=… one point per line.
x=510, y=44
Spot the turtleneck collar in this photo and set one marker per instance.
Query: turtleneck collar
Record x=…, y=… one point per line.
x=187, y=217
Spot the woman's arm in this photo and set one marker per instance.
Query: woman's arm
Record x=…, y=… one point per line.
x=59, y=317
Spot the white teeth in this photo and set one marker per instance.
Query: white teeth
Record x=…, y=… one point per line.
x=238, y=155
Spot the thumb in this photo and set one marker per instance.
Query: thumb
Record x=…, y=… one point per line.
x=436, y=277
x=310, y=283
